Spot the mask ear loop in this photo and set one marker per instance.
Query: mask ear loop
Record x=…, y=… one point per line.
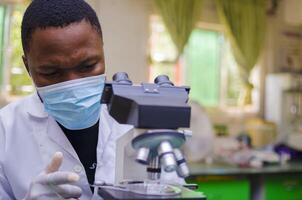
x=39, y=97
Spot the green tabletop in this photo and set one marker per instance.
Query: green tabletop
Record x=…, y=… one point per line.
x=197, y=169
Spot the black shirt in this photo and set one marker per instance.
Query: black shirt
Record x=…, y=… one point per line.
x=85, y=144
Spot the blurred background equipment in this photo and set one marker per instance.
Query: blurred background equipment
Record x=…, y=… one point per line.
x=200, y=146
x=262, y=132
x=284, y=107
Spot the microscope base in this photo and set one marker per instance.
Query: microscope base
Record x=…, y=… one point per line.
x=111, y=194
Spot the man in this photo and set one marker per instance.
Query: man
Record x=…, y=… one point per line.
x=59, y=141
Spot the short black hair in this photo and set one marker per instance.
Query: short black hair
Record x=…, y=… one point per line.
x=55, y=13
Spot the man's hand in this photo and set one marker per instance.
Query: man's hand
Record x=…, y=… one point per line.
x=54, y=184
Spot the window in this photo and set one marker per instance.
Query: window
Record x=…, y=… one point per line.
x=202, y=66
x=207, y=65
x=15, y=79
x=19, y=80
x=163, y=53
x=3, y=10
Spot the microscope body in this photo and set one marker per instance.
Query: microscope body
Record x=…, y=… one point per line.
x=159, y=113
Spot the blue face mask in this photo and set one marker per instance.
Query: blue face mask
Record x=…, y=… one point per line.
x=74, y=104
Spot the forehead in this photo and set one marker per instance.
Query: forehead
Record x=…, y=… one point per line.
x=64, y=41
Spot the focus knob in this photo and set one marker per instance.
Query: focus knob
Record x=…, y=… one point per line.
x=121, y=78
x=163, y=80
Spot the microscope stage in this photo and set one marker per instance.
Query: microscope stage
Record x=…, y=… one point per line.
x=111, y=194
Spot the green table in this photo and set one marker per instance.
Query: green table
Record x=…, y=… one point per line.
x=223, y=182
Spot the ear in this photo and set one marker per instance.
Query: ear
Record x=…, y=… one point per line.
x=25, y=61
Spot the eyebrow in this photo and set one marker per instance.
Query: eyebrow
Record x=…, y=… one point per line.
x=87, y=60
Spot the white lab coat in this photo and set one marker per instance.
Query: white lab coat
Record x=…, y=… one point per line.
x=29, y=137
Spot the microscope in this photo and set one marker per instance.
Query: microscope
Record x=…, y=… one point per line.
x=157, y=112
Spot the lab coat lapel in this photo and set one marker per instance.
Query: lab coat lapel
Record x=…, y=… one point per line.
x=109, y=132
x=48, y=125
x=103, y=172
x=104, y=129
x=56, y=134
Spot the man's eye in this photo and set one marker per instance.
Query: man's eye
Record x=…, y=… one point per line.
x=86, y=68
x=51, y=73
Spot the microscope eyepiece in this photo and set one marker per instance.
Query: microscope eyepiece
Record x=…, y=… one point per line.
x=163, y=80
x=121, y=78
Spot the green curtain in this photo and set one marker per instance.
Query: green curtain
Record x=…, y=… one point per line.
x=179, y=17
x=245, y=23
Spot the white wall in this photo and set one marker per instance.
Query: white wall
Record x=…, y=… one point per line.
x=126, y=33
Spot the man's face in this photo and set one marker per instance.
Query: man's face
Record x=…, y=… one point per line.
x=60, y=54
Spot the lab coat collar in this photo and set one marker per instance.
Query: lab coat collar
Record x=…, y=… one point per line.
x=104, y=127
x=35, y=106
x=56, y=134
